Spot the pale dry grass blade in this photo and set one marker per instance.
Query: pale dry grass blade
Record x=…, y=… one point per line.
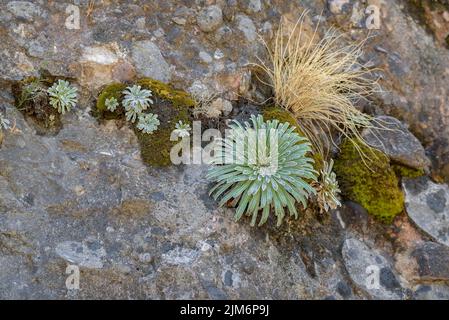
x=320, y=82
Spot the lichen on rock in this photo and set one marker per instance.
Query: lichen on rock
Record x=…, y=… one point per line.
x=371, y=183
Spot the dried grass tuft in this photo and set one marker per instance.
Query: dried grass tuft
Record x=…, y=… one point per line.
x=320, y=82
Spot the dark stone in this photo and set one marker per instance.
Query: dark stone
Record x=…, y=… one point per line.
x=353, y=214
x=393, y=138
x=433, y=261
x=228, y=278
x=388, y=279
x=418, y=185
x=157, y=196
x=167, y=246
x=344, y=289
x=208, y=201
x=214, y=292
x=397, y=65
x=437, y=201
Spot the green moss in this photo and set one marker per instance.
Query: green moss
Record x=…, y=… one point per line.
x=155, y=148
x=373, y=184
x=112, y=90
x=178, y=98
x=271, y=113
x=403, y=171
x=171, y=106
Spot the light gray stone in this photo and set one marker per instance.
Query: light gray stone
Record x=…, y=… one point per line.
x=427, y=204
x=254, y=6
x=149, y=62
x=81, y=254
x=393, y=138
x=205, y=57
x=246, y=25
x=370, y=270
x=210, y=18
x=432, y=260
x=26, y=10
x=15, y=65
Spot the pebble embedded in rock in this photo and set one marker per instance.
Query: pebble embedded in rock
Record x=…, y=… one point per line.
x=205, y=57
x=253, y=6
x=338, y=6
x=210, y=18
x=427, y=204
x=432, y=260
x=397, y=142
x=145, y=257
x=149, y=62
x=26, y=10
x=370, y=270
x=81, y=254
x=246, y=25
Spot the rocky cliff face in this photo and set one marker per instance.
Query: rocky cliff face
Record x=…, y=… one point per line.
x=83, y=197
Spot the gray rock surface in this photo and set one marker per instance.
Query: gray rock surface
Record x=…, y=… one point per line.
x=433, y=261
x=246, y=25
x=149, y=61
x=432, y=292
x=26, y=10
x=15, y=65
x=393, y=138
x=370, y=270
x=85, y=198
x=427, y=204
x=210, y=18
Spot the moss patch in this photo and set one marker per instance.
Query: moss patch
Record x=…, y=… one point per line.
x=169, y=104
x=406, y=172
x=35, y=106
x=376, y=188
x=178, y=98
x=113, y=90
x=271, y=113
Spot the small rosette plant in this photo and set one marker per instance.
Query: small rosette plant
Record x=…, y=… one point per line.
x=136, y=100
x=148, y=123
x=262, y=166
x=63, y=96
x=182, y=129
x=327, y=188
